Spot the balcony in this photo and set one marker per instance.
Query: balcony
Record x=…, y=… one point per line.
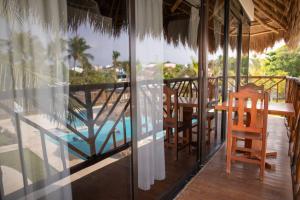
x=212, y=182
x=63, y=149
x=83, y=107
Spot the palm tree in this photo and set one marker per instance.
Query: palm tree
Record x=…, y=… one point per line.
x=115, y=56
x=77, y=51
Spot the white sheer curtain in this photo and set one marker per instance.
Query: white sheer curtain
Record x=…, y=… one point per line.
x=149, y=50
x=33, y=69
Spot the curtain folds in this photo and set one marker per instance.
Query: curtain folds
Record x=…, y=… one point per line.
x=33, y=72
x=149, y=48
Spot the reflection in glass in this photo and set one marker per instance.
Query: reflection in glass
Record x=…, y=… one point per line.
x=245, y=53
x=215, y=69
x=151, y=156
x=57, y=117
x=232, y=53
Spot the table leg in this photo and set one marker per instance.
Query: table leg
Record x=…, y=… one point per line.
x=187, y=121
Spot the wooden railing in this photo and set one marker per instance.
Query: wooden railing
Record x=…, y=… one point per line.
x=99, y=105
x=275, y=85
x=293, y=96
x=94, y=111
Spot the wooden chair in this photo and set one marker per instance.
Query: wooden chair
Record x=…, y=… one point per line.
x=258, y=88
x=171, y=124
x=255, y=130
x=212, y=113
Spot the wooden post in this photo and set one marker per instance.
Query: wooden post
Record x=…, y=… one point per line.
x=225, y=68
x=202, y=79
x=90, y=121
x=239, y=57
x=133, y=97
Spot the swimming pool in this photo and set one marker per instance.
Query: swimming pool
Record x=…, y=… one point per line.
x=83, y=146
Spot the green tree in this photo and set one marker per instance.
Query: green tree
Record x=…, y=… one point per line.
x=77, y=51
x=115, y=56
x=283, y=61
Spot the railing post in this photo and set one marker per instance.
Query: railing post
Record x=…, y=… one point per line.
x=45, y=155
x=277, y=93
x=1, y=185
x=90, y=121
x=191, y=88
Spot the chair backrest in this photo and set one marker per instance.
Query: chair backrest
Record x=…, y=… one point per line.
x=251, y=102
x=259, y=88
x=170, y=107
x=212, y=90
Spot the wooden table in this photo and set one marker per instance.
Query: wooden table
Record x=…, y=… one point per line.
x=187, y=104
x=281, y=109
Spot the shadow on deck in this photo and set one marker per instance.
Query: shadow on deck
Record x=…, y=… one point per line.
x=212, y=182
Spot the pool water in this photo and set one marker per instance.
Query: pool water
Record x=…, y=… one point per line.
x=83, y=146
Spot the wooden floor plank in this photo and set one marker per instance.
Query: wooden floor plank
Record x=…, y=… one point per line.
x=212, y=182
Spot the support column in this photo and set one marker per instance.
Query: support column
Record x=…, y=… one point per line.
x=202, y=79
x=225, y=68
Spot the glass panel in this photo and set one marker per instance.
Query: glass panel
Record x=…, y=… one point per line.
x=245, y=53
x=215, y=71
x=166, y=48
x=149, y=57
x=64, y=107
x=180, y=72
x=232, y=51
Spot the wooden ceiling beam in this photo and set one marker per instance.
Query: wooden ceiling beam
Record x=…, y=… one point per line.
x=262, y=8
x=281, y=2
x=268, y=26
x=176, y=5
x=215, y=11
x=180, y=9
x=261, y=33
x=275, y=6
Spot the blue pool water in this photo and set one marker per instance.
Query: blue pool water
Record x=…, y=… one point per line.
x=83, y=146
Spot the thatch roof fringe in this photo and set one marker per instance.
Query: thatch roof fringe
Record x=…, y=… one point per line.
x=274, y=16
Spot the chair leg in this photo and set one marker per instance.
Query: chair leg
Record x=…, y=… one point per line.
x=234, y=145
x=229, y=145
x=176, y=144
x=189, y=139
x=216, y=124
x=263, y=159
x=168, y=135
x=209, y=130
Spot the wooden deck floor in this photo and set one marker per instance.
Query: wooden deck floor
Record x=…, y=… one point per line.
x=212, y=182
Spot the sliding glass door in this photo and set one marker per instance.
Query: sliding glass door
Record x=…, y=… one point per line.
x=166, y=48
x=65, y=100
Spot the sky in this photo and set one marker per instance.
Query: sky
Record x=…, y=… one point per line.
x=102, y=46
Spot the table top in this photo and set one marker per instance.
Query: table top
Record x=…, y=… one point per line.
x=187, y=102
x=283, y=109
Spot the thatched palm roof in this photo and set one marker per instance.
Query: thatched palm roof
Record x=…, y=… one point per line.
x=275, y=20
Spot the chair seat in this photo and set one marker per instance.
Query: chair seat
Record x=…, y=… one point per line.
x=246, y=135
